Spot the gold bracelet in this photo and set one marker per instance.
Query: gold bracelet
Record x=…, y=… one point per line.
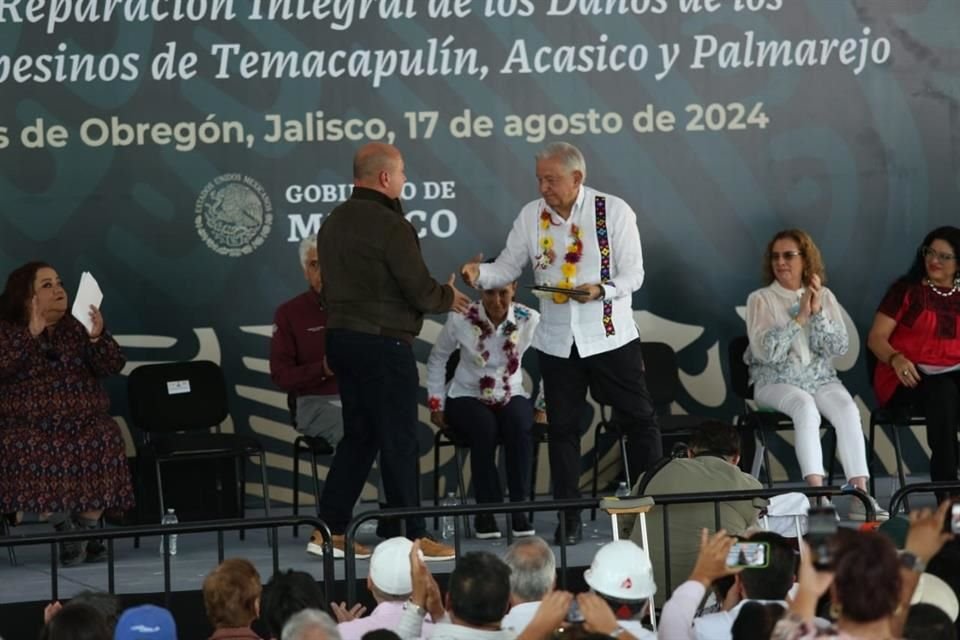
x=892, y=356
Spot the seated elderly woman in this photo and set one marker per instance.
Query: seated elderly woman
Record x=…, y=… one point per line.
x=61, y=454
x=486, y=402
x=231, y=597
x=796, y=330
x=916, y=338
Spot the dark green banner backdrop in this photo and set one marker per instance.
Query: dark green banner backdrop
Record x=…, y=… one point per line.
x=179, y=150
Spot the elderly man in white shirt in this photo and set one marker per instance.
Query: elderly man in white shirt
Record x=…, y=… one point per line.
x=533, y=574
x=584, y=246
x=389, y=582
x=486, y=403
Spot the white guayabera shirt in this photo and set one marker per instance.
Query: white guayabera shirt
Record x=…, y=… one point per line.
x=611, y=255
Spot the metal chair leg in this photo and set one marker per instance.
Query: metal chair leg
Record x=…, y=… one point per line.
x=596, y=467
x=626, y=462
x=533, y=475
x=436, y=478
x=458, y=454
x=316, y=481
x=296, y=484
x=762, y=436
x=898, y=451
x=239, y=465
x=872, y=459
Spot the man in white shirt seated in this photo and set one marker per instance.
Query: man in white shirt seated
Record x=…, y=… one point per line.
x=389, y=583
x=533, y=574
x=584, y=246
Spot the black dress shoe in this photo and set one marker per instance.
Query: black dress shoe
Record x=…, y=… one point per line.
x=96, y=551
x=485, y=526
x=574, y=533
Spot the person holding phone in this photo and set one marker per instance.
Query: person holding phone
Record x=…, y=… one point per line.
x=61, y=453
x=796, y=329
x=916, y=339
x=755, y=581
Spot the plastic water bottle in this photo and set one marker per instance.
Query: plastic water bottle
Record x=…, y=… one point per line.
x=170, y=517
x=447, y=528
x=623, y=491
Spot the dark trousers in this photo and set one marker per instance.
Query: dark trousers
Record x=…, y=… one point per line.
x=939, y=398
x=378, y=389
x=483, y=427
x=616, y=379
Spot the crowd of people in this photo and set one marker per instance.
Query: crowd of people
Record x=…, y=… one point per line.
x=860, y=587
x=343, y=351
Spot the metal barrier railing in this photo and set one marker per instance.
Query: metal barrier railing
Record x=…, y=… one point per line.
x=920, y=487
x=350, y=568
x=208, y=526
x=665, y=501
x=716, y=497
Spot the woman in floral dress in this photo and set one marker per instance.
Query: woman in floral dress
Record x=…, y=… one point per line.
x=486, y=403
x=61, y=454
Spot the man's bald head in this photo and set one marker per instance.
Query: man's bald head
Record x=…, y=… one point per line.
x=371, y=159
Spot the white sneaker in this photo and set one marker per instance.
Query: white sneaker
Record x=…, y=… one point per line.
x=859, y=513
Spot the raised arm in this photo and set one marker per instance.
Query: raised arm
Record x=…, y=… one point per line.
x=769, y=341
x=828, y=332
x=509, y=264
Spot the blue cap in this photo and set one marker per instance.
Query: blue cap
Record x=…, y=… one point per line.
x=146, y=622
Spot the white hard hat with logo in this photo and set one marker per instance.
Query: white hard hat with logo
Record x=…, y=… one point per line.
x=621, y=570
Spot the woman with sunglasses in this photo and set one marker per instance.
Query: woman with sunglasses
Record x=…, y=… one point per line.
x=796, y=329
x=916, y=339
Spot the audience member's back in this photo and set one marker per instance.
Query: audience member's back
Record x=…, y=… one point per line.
x=928, y=622
x=286, y=594
x=756, y=621
x=76, y=621
x=715, y=451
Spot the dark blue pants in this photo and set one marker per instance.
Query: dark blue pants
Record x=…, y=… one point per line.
x=483, y=427
x=378, y=383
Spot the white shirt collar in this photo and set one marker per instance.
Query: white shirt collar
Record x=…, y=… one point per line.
x=511, y=317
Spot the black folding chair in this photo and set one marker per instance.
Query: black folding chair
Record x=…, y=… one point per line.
x=176, y=405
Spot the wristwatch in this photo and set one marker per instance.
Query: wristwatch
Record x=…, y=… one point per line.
x=410, y=604
x=910, y=560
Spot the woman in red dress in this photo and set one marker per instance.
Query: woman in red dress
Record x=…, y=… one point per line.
x=61, y=454
x=916, y=339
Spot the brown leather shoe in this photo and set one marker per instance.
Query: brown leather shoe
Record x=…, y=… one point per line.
x=435, y=551
x=315, y=547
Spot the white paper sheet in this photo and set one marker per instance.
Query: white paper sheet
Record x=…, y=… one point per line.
x=88, y=293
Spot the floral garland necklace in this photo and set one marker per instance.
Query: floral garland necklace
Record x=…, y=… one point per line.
x=488, y=384
x=573, y=252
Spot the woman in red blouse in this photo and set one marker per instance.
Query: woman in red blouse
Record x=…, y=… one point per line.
x=61, y=454
x=916, y=339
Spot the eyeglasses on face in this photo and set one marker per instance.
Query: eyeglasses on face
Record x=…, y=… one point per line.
x=786, y=255
x=930, y=253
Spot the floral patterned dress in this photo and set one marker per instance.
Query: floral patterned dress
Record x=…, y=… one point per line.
x=60, y=451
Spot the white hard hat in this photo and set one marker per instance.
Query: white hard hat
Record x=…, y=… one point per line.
x=621, y=570
x=390, y=566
